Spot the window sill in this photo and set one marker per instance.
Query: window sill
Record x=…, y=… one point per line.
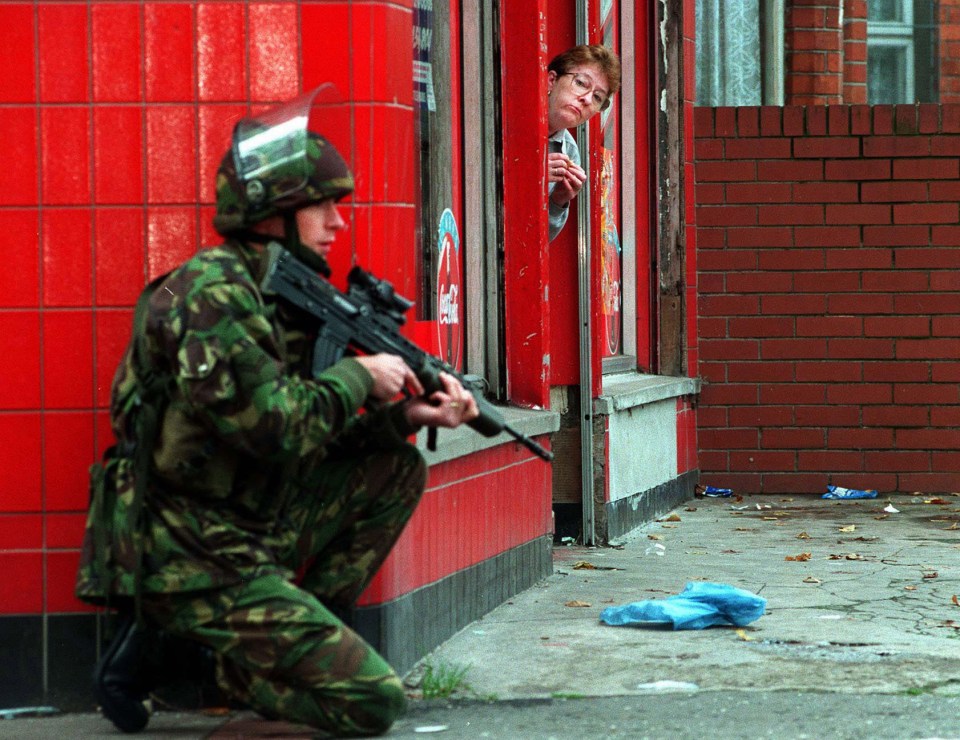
x=462, y=441
x=629, y=390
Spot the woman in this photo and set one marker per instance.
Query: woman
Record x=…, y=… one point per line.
x=580, y=82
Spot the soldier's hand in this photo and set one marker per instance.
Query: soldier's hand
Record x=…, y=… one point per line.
x=390, y=376
x=449, y=407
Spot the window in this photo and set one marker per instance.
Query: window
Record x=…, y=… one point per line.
x=728, y=52
x=902, y=57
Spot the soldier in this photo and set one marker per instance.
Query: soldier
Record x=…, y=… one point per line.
x=246, y=503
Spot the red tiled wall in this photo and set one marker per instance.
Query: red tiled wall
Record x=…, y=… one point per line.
x=814, y=56
x=949, y=33
x=829, y=297
x=114, y=116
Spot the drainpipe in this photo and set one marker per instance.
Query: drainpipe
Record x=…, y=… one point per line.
x=584, y=302
x=773, y=51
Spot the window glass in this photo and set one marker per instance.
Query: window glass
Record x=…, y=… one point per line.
x=728, y=52
x=902, y=52
x=436, y=78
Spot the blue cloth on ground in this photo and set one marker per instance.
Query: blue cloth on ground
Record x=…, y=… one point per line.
x=701, y=604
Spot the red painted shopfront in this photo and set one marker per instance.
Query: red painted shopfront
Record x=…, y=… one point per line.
x=115, y=115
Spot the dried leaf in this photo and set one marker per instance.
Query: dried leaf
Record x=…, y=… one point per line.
x=654, y=537
x=851, y=528
x=955, y=600
x=802, y=557
x=584, y=565
x=938, y=501
x=931, y=574
x=690, y=508
x=577, y=603
x=730, y=552
x=744, y=636
x=803, y=536
x=672, y=518
x=811, y=579
x=909, y=588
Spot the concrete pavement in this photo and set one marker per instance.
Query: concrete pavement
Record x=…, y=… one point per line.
x=860, y=639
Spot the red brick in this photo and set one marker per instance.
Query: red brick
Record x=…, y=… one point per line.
x=945, y=190
x=895, y=282
x=944, y=372
x=711, y=238
x=897, y=462
x=706, y=149
x=928, y=439
x=793, y=439
x=712, y=417
x=728, y=394
x=826, y=236
x=896, y=236
x=805, y=214
x=760, y=372
x=728, y=439
x=793, y=305
x=896, y=146
x=759, y=282
x=926, y=304
x=826, y=146
x=771, y=416
x=760, y=237
x=829, y=372
x=905, y=119
x=926, y=213
x=860, y=119
x=793, y=121
x=891, y=192
x=800, y=17
x=929, y=118
x=928, y=168
x=759, y=192
x=896, y=416
x=947, y=236
x=906, y=394
x=703, y=121
x=860, y=214
x=861, y=394
x=725, y=121
x=826, y=282
x=825, y=192
x=798, y=483
x=944, y=416
x=729, y=305
x=859, y=259
x=709, y=194
x=829, y=326
x=861, y=169
x=861, y=303
x=833, y=460
x=728, y=349
x=770, y=118
x=929, y=482
x=727, y=260
x=762, y=460
x=793, y=349
x=748, y=121
x=897, y=326
x=711, y=328
x=827, y=416
x=859, y=439
x=945, y=146
x=759, y=148
x=946, y=326
x=838, y=121
x=791, y=259
x=799, y=394
x=928, y=349
x=866, y=349
x=788, y=170
x=727, y=215
x=761, y=326
x=882, y=119
x=897, y=371
x=726, y=171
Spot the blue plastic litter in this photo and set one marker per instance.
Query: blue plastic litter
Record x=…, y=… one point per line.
x=717, y=492
x=700, y=605
x=841, y=492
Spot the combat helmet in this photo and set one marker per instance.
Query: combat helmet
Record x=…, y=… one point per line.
x=277, y=164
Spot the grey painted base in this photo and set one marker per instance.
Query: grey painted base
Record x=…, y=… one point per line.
x=406, y=629
x=629, y=513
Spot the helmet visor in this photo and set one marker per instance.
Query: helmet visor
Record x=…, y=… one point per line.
x=270, y=149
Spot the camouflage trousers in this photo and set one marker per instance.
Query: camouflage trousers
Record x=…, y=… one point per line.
x=279, y=648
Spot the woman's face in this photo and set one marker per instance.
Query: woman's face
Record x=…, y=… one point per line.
x=575, y=95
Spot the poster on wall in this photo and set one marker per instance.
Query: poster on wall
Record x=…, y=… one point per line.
x=609, y=257
x=449, y=290
x=423, y=95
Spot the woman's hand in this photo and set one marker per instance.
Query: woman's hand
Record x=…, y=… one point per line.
x=390, y=376
x=569, y=178
x=449, y=407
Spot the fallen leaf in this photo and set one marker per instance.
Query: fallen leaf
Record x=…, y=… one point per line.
x=577, y=603
x=744, y=636
x=803, y=536
x=909, y=588
x=654, y=537
x=803, y=556
x=584, y=565
x=811, y=579
x=672, y=518
x=851, y=528
x=690, y=508
x=939, y=501
x=730, y=552
x=931, y=574
x=744, y=529
x=955, y=600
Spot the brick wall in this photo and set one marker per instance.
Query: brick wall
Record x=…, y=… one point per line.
x=829, y=297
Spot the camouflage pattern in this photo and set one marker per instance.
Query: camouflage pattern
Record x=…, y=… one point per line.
x=262, y=478
x=283, y=182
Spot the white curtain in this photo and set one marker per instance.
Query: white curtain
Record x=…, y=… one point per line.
x=728, y=52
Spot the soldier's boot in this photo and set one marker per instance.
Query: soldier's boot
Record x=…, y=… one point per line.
x=121, y=679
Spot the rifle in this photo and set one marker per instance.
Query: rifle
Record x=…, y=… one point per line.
x=368, y=318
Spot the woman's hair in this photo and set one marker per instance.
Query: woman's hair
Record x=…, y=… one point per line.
x=593, y=54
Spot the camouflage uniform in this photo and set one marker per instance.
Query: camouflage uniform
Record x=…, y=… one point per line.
x=271, y=500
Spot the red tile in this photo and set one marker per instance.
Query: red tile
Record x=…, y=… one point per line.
x=171, y=238
x=113, y=332
x=104, y=432
x=120, y=246
x=65, y=140
x=216, y=130
x=20, y=461
x=274, y=47
x=171, y=155
x=208, y=235
x=326, y=56
x=116, y=52
x=168, y=52
x=21, y=583
x=67, y=257
x=67, y=359
x=19, y=127
x=20, y=350
x=118, y=155
x=396, y=226
x=20, y=281
x=394, y=58
x=17, y=54
x=63, y=53
x=362, y=164
x=64, y=530
x=61, y=578
x=21, y=532
x=393, y=176
x=221, y=51
x=68, y=453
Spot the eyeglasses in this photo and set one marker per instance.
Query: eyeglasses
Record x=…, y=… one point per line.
x=583, y=85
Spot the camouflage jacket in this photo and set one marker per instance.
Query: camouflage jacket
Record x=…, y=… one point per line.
x=242, y=428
